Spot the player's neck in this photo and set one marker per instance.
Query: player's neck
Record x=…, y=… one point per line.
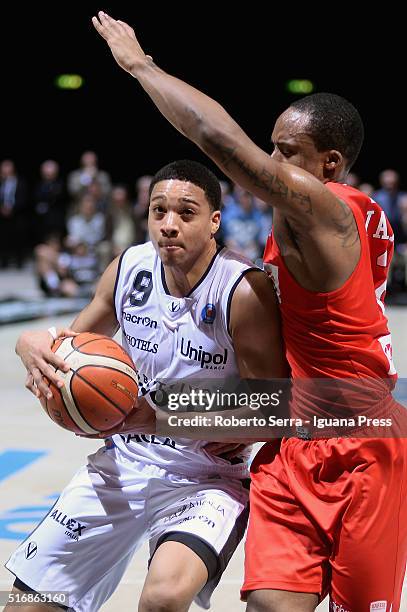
x=181, y=280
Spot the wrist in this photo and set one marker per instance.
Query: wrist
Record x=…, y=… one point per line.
x=140, y=65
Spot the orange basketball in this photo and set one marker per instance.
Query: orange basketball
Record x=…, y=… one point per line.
x=100, y=388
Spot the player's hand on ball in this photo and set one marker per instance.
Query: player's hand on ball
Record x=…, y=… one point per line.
x=226, y=450
x=141, y=420
x=122, y=41
x=34, y=350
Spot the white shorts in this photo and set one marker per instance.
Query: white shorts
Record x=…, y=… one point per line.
x=109, y=509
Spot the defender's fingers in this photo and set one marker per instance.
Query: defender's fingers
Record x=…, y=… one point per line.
x=98, y=26
x=107, y=21
x=128, y=29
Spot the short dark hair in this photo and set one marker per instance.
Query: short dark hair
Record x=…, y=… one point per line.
x=334, y=124
x=193, y=172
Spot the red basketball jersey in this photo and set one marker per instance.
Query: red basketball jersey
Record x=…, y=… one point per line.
x=379, y=233
x=342, y=333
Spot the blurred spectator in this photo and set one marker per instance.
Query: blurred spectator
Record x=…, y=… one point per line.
x=227, y=196
x=400, y=230
x=101, y=199
x=87, y=226
x=140, y=209
x=353, y=180
x=46, y=265
x=50, y=200
x=120, y=221
x=71, y=273
x=389, y=194
x=231, y=206
x=120, y=226
x=80, y=266
x=367, y=188
x=398, y=270
x=266, y=221
x=13, y=216
x=79, y=180
x=242, y=226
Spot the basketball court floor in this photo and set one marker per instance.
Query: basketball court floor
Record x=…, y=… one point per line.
x=37, y=458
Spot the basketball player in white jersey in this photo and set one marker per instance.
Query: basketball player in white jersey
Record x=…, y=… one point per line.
x=187, y=309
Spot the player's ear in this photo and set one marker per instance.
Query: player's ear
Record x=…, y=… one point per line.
x=333, y=161
x=215, y=221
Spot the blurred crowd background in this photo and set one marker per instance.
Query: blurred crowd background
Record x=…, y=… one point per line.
x=69, y=225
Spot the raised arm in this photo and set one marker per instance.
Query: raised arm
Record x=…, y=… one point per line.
x=295, y=192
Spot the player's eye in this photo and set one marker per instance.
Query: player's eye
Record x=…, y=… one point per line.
x=286, y=152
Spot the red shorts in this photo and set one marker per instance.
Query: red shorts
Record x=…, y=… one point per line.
x=330, y=516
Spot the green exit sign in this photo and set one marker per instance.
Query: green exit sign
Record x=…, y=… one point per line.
x=300, y=86
x=69, y=81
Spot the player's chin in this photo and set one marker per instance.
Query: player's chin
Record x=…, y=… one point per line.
x=171, y=255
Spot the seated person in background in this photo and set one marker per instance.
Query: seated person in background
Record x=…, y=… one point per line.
x=72, y=272
x=120, y=226
x=87, y=225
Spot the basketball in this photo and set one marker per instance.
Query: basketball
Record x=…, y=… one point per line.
x=100, y=387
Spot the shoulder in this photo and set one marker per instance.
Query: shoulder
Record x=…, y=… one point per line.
x=234, y=259
x=253, y=301
x=348, y=194
x=254, y=284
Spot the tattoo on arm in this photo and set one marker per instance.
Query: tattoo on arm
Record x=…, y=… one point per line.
x=345, y=225
x=262, y=178
x=303, y=199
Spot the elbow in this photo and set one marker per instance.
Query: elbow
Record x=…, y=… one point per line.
x=197, y=127
x=218, y=143
x=209, y=137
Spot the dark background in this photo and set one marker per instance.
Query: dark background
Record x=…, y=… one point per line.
x=241, y=56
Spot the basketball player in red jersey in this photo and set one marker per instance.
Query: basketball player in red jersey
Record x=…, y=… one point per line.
x=327, y=515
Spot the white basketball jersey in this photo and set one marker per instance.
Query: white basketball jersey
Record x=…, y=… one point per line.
x=172, y=338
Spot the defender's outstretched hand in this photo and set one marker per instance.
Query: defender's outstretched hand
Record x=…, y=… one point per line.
x=122, y=41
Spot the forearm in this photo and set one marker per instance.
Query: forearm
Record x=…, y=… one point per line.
x=205, y=122
x=96, y=320
x=196, y=115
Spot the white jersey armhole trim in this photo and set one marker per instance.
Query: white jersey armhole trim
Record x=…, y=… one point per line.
x=116, y=283
x=231, y=294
